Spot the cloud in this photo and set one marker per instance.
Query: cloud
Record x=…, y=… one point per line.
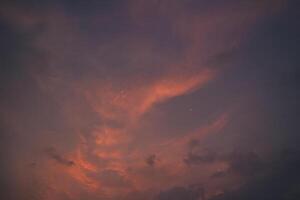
x=86, y=82
x=247, y=164
x=113, y=178
x=279, y=182
x=151, y=160
x=194, y=159
x=130, y=102
x=53, y=154
x=180, y=193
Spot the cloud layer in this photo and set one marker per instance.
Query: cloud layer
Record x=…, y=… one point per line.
x=132, y=100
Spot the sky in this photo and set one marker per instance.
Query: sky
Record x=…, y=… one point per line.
x=149, y=100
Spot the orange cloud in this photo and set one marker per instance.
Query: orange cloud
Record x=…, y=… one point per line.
x=133, y=101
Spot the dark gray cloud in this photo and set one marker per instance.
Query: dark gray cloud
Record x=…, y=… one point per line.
x=151, y=160
x=182, y=193
x=53, y=154
x=248, y=164
x=281, y=182
x=194, y=158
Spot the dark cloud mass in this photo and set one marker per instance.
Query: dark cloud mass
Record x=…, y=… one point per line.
x=53, y=154
x=281, y=181
x=151, y=160
x=178, y=193
x=149, y=100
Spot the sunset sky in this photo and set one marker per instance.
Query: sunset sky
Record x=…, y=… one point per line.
x=149, y=100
